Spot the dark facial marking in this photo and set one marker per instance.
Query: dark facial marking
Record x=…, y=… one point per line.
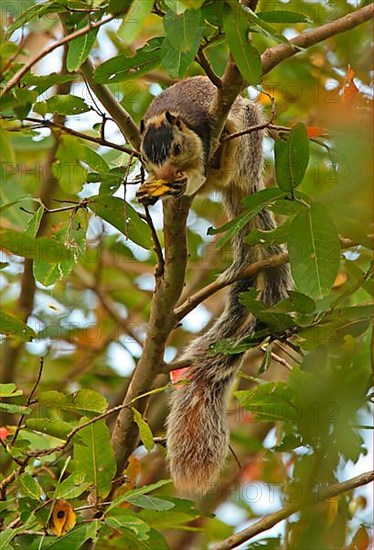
x=157, y=143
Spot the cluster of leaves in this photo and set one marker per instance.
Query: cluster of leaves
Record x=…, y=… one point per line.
x=90, y=468
x=56, y=453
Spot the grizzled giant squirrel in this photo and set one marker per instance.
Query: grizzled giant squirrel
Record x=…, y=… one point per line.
x=176, y=152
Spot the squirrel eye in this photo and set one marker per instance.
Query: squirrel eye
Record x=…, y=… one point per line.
x=177, y=149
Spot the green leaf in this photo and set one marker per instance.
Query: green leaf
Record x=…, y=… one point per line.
x=94, y=160
x=263, y=198
x=269, y=402
x=30, y=487
x=259, y=25
x=139, y=491
x=134, y=20
x=44, y=82
x=72, y=235
x=121, y=67
x=314, y=250
x=144, y=430
x=6, y=148
x=67, y=168
x=177, y=6
x=12, y=326
x=292, y=158
x=275, y=236
x=150, y=503
x=7, y=51
x=295, y=302
x=255, y=203
x=245, y=55
x=66, y=104
x=72, y=487
x=289, y=443
x=86, y=402
x=193, y=4
x=182, y=30
x=25, y=246
x=175, y=61
x=36, y=10
x=51, y=426
x=34, y=222
x=94, y=456
x=123, y=217
x=277, y=322
x=80, y=47
x=266, y=361
x=118, y=7
x=14, y=409
x=120, y=518
x=9, y=390
x=72, y=540
x=83, y=403
x=282, y=16
x=7, y=205
x=183, y=513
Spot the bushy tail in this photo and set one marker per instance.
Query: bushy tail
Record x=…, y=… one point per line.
x=197, y=433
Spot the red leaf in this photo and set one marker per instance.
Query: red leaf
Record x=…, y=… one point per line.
x=179, y=374
x=315, y=132
x=4, y=432
x=361, y=540
x=350, y=89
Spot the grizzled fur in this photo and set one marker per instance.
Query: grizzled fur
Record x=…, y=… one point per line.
x=197, y=434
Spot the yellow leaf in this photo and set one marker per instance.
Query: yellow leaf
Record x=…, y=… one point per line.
x=63, y=518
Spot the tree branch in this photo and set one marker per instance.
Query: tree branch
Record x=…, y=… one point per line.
x=162, y=321
x=222, y=281
x=232, y=84
x=273, y=56
x=121, y=117
x=272, y=519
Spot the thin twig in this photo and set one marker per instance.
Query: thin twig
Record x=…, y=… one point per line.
x=278, y=359
x=160, y=266
x=286, y=351
x=251, y=129
x=29, y=399
x=58, y=448
x=44, y=123
x=204, y=63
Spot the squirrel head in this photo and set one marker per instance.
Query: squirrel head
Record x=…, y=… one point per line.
x=170, y=149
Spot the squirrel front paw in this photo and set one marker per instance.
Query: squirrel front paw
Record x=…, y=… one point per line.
x=150, y=191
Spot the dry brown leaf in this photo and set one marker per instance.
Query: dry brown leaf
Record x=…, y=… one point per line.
x=63, y=518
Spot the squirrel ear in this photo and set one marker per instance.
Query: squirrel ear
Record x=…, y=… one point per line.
x=173, y=119
x=142, y=126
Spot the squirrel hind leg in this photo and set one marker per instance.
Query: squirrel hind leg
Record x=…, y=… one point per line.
x=197, y=440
